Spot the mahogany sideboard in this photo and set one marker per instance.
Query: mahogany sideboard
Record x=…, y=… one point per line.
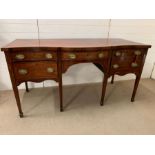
x=47, y=59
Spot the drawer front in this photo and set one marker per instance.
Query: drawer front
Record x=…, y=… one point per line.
x=127, y=60
x=30, y=55
x=34, y=70
x=84, y=54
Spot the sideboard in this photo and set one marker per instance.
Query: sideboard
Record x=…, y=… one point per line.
x=47, y=59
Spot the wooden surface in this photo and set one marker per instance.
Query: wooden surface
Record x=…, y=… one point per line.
x=48, y=59
x=72, y=43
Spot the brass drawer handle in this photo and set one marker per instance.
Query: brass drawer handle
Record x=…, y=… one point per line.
x=134, y=64
x=49, y=56
x=72, y=56
x=101, y=55
x=115, y=66
x=118, y=54
x=22, y=71
x=50, y=70
x=20, y=56
x=137, y=52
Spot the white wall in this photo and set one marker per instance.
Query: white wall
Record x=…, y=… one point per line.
x=136, y=30
x=153, y=72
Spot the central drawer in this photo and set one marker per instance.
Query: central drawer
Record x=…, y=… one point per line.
x=85, y=54
x=33, y=55
x=35, y=70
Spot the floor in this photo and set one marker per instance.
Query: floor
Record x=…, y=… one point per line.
x=83, y=114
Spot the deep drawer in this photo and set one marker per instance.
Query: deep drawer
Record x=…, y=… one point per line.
x=127, y=59
x=34, y=70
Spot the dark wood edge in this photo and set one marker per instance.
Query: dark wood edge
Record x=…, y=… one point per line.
x=18, y=81
x=104, y=47
x=35, y=49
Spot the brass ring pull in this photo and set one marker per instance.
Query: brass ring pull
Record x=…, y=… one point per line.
x=49, y=56
x=118, y=54
x=22, y=71
x=137, y=52
x=134, y=64
x=115, y=66
x=50, y=70
x=20, y=56
x=72, y=56
x=101, y=55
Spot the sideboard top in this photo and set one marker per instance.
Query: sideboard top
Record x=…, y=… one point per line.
x=72, y=43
